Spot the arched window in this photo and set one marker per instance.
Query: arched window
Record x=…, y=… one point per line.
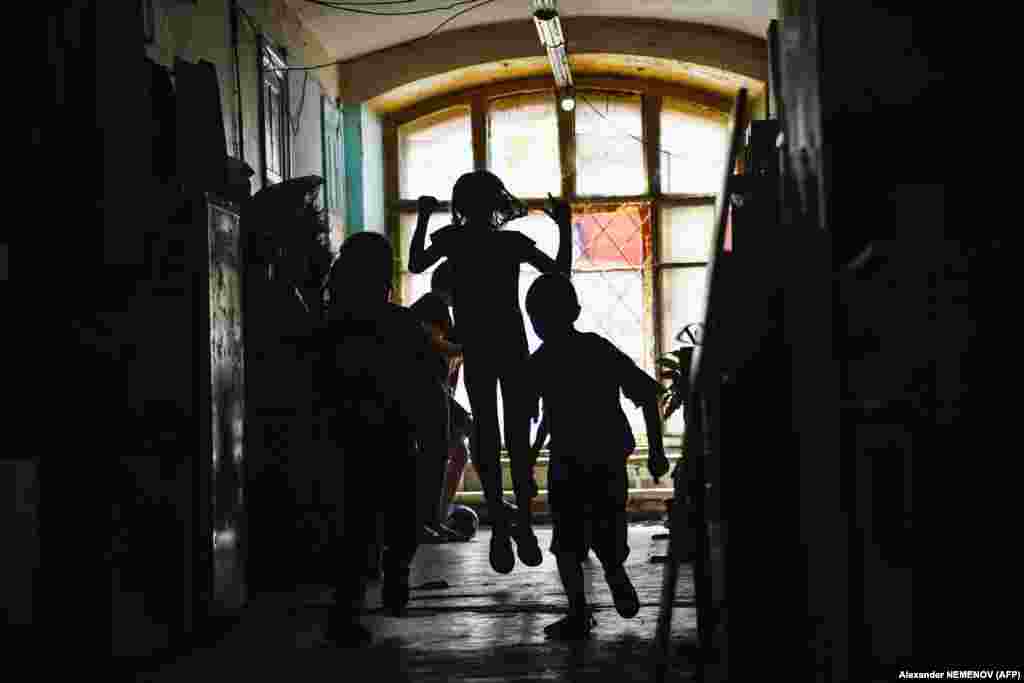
x=433, y=152
x=640, y=169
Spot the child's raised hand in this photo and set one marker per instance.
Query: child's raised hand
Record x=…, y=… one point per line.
x=558, y=210
x=427, y=204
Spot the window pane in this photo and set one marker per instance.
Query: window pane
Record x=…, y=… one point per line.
x=433, y=151
x=686, y=233
x=523, y=144
x=609, y=239
x=271, y=117
x=613, y=307
x=693, y=141
x=416, y=285
x=609, y=147
x=541, y=229
x=682, y=302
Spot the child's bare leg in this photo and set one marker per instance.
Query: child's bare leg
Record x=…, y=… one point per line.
x=611, y=544
x=434, y=482
x=517, y=427
x=488, y=467
x=348, y=553
x=577, y=624
x=402, y=528
x=481, y=385
x=457, y=458
x=570, y=570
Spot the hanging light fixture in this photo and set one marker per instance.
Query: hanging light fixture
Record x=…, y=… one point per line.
x=544, y=10
x=549, y=28
x=567, y=99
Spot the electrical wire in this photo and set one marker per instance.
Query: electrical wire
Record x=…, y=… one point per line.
x=457, y=14
x=660, y=150
x=366, y=4
x=351, y=9
x=249, y=19
x=302, y=105
x=437, y=28
x=405, y=44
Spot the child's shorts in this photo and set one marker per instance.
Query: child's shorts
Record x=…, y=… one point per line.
x=588, y=509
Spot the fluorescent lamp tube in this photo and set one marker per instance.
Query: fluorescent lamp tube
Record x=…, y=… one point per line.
x=544, y=9
x=560, y=66
x=550, y=32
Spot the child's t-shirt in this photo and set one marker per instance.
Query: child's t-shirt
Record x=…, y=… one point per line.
x=485, y=278
x=579, y=378
x=380, y=373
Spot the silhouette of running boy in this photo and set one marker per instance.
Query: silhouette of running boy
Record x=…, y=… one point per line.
x=485, y=274
x=579, y=376
x=380, y=395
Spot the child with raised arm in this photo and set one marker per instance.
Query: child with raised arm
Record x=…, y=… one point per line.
x=579, y=376
x=485, y=274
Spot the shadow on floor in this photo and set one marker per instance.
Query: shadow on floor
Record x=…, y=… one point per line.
x=483, y=627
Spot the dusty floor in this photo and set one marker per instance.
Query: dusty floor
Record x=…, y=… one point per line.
x=484, y=627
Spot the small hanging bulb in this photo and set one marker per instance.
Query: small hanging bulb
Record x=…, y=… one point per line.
x=567, y=99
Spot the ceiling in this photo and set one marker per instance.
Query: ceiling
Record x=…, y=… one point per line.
x=346, y=35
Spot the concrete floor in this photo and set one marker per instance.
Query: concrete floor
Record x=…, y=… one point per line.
x=484, y=627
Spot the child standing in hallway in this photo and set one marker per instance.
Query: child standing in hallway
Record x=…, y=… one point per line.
x=378, y=386
x=432, y=311
x=579, y=376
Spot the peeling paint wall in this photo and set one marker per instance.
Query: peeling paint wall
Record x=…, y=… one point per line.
x=307, y=140
x=203, y=31
x=374, y=216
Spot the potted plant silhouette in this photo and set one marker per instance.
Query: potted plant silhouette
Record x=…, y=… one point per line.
x=676, y=370
x=678, y=365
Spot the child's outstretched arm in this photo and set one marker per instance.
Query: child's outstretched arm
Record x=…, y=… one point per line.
x=645, y=393
x=657, y=463
x=561, y=213
x=419, y=258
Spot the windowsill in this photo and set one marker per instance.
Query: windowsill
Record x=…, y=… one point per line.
x=642, y=486
x=672, y=452
x=659, y=493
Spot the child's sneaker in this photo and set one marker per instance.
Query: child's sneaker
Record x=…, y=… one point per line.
x=395, y=594
x=570, y=628
x=502, y=559
x=395, y=591
x=448, y=534
x=528, y=548
x=627, y=603
x=348, y=634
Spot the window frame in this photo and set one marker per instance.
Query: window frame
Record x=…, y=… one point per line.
x=478, y=100
x=269, y=54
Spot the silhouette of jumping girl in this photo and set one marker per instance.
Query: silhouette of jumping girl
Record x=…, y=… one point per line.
x=485, y=274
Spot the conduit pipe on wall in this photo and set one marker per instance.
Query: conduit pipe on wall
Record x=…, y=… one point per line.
x=239, y=125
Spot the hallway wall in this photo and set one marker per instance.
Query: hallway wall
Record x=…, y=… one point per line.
x=121, y=483
x=201, y=30
x=19, y=519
